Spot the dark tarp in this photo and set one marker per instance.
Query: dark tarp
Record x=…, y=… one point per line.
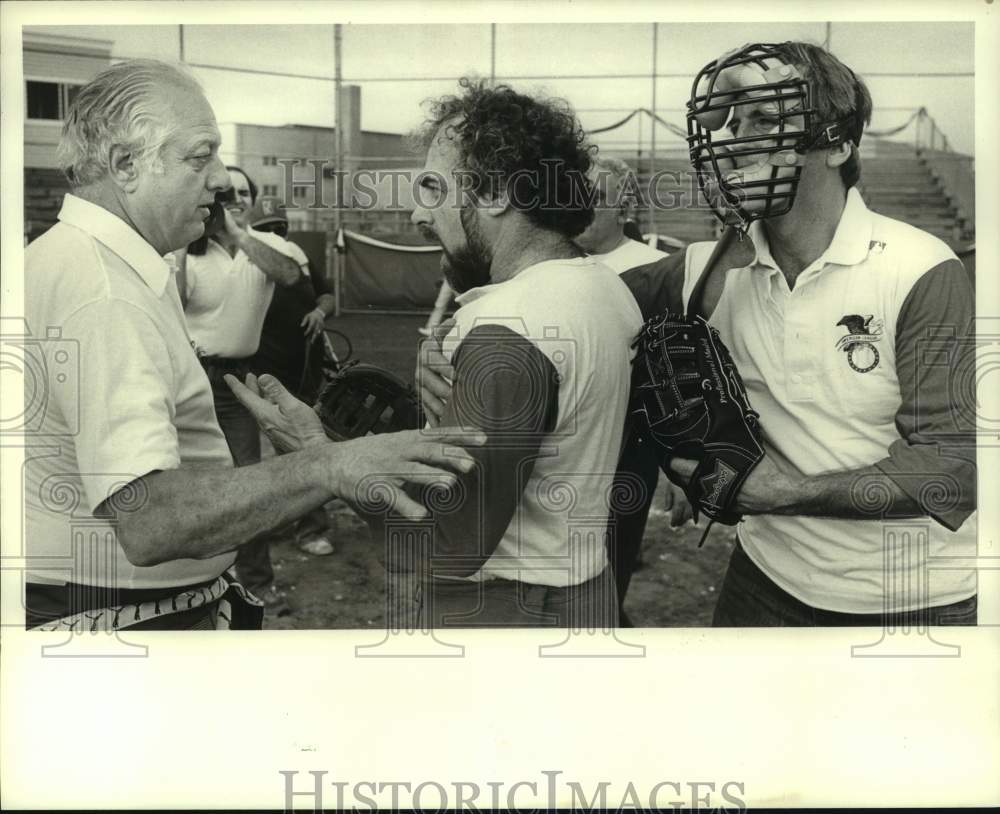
x=385, y=277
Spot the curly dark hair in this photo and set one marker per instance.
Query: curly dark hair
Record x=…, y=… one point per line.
x=531, y=149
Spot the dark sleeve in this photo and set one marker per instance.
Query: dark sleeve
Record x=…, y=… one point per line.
x=934, y=460
x=319, y=283
x=659, y=286
x=505, y=386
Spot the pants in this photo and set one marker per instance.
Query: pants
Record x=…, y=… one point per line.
x=253, y=560
x=417, y=604
x=633, y=490
x=749, y=598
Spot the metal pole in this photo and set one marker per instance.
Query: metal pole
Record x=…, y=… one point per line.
x=180, y=35
x=652, y=134
x=338, y=161
x=493, y=53
x=826, y=39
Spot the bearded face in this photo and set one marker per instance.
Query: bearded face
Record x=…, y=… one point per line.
x=467, y=265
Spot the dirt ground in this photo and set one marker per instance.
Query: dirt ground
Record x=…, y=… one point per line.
x=676, y=585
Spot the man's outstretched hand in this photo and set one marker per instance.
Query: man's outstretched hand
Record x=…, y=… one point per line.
x=289, y=424
x=368, y=470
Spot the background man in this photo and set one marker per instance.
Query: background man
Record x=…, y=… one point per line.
x=292, y=343
x=138, y=443
x=230, y=278
x=828, y=309
x=606, y=240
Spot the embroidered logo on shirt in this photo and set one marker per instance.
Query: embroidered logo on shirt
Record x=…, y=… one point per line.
x=859, y=344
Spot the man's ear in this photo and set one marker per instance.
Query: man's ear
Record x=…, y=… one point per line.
x=627, y=210
x=836, y=156
x=124, y=168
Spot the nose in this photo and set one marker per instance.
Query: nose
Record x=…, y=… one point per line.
x=420, y=216
x=218, y=176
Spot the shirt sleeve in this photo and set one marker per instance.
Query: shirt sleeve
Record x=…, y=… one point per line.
x=299, y=256
x=124, y=400
x=934, y=460
x=278, y=243
x=505, y=386
x=658, y=286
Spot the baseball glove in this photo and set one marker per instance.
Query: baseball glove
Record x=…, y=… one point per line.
x=361, y=399
x=688, y=396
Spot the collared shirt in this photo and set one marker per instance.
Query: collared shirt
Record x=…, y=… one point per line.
x=628, y=255
x=125, y=397
x=542, y=363
x=228, y=297
x=838, y=372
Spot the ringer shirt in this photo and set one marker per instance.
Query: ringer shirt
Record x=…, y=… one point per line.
x=542, y=366
x=628, y=255
x=228, y=297
x=848, y=370
x=126, y=396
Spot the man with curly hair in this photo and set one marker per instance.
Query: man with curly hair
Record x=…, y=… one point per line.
x=539, y=358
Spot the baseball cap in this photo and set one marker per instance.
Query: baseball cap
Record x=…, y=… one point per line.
x=266, y=211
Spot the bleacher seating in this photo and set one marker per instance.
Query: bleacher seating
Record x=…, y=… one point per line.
x=895, y=181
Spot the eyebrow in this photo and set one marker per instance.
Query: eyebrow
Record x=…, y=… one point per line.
x=210, y=143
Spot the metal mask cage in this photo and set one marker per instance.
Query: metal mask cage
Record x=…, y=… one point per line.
x=792, y=97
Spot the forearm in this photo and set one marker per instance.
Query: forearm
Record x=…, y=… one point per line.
x=856, y=494
x=279, y=267
x=199, y=513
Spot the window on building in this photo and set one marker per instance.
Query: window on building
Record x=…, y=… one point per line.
x=270, y=189
x=299, y=192
x=270, y=161
x=49, y=100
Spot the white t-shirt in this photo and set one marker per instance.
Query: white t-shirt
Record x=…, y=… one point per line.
x=583, y=318
x=629, y=255
x=228, y=297
x=125, y=396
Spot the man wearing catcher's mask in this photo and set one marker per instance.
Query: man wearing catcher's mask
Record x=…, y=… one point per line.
x=845, y=325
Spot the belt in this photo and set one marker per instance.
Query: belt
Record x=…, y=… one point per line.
x=230, y=602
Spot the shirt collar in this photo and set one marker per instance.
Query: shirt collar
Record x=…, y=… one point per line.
x=851, y=240
x=119, y=237
x=481, y=291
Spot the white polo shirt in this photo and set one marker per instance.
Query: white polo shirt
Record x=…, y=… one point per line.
x=228, y=297
x=583, y=318
x=819, y=363
x=132, y=397
x=629, y=255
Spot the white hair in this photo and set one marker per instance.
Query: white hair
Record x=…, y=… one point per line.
x=625, y=189
x=120, y=106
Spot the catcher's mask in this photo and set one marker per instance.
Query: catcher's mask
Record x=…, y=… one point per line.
x=741, y=191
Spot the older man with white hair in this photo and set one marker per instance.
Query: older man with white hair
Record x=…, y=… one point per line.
x=135, y=452
x=614, y=238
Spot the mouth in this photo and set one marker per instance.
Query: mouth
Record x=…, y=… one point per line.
x=428, y=235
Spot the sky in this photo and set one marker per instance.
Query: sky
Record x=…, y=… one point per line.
x=390, y=63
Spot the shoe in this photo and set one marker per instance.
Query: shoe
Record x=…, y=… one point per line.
x=317, y=546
